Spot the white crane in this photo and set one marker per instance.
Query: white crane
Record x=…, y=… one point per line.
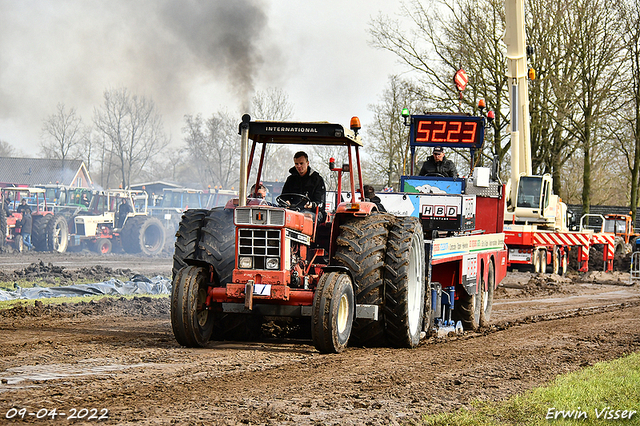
x=530, y=199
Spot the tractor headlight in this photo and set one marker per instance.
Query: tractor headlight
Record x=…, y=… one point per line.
x=245, y=262
x=273, y=263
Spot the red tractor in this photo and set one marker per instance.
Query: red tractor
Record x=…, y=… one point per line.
x=361, y=278
x=49, y=232
x=234, y=266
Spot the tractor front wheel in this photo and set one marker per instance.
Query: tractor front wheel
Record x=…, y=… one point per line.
x=103, y=246
x=191, y=320
x=333, y=312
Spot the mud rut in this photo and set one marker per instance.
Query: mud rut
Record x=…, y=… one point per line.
x=121, y=355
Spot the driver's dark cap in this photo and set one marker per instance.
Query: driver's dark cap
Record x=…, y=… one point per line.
x=438, y=150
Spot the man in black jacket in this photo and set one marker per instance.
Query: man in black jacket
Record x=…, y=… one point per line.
x=305, y=181
x=123, y=210
x=26, y=226
x=370, y=194
x=438, y=164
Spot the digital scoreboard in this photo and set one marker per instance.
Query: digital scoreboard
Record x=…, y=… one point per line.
x=448, y=130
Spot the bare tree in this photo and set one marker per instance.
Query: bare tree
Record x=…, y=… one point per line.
x=389, y=155
x=628, y=132
x=6, y=149
x=551, y=93
x=597, y=45
x=444, y=36
x=62, y=133
x=214, y=148
x=273, y=104
x=133, y=132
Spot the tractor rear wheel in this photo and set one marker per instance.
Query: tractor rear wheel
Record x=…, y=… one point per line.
x=404, y=283
x=191, y=321
x=361, y=247
x=39, y=231
x=333, y=312
x=218, y=243
x=619, y=247
x=142, y=234
x=187, y=238
x=57, y=231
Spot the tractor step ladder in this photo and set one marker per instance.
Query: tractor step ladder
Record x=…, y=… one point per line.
x=634, y=275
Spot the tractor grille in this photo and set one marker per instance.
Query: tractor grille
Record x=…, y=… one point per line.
x=259, y=244
x=80, y=228
x=259, y=216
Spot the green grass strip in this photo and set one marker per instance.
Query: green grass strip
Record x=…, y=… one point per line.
x=606, y=393
x=8, y=304
x=51, y=282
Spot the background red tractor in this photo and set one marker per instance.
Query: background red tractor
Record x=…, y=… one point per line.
x=50, y=231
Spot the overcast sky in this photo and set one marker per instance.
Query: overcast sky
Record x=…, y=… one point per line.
x=188, y=56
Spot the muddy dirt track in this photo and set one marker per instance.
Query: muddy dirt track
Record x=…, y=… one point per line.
x=119, y=357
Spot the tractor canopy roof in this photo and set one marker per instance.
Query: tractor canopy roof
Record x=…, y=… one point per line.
x=303, y=133
x=29, y=190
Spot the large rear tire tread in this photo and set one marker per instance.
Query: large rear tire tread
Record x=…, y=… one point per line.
x=57, y=232
x=187, y=238
x=218, y=243
x=143, y=234
x=404, y=280
x=361, y=247
x=39, y=231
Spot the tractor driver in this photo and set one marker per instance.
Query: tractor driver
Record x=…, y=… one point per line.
x=305, y=181
x=23, y=206
x=123, y=210
x=438, y=165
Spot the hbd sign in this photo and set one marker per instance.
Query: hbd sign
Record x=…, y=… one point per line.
x=447, y=212
x=440, y=211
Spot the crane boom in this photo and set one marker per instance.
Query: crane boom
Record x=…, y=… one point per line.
x=530, y=198
x=514, y=38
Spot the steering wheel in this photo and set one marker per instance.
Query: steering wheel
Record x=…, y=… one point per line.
x=435, y=174
x=292, y=201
